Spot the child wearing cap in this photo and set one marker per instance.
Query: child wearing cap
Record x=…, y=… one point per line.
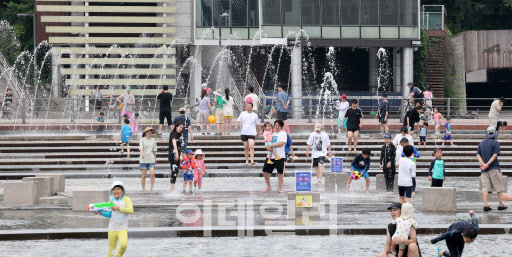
x=387, y=162
x=190, y=167
x=198, y=173
x=342, y=107
x=118, y=223
x=404, y=224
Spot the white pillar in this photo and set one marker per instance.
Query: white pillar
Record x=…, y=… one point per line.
x=296, y=82
x=373, y=68
x=407, y=65
x=55, y=76
x=397, y=70
x=195, y=76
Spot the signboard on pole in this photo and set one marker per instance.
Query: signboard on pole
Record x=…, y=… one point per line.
x=337, y=164
x=303, y=181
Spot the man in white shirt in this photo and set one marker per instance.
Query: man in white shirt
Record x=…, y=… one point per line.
x=406, y=171
x=342, y=108
x=320, y=142
x=255, y=100
x=495, y=110
x=279, y=138
x=250, y=122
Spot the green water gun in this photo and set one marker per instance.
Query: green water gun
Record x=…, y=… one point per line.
x=101, y=207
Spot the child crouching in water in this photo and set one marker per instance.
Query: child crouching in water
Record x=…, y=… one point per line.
x=200, y=168
x=267, y=137
x=118, y=224
x=404, y=224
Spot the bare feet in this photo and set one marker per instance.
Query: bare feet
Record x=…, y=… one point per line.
x=252, y=163
x=389, y=193
x=246, y=163
x=267, y=190
x=368, y=193
x=152, y=189
x=413, y=193
x=349, y=149
x=281, y=191
x=346, y=191
x=355, y=150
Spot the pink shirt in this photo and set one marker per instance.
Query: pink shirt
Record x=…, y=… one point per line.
x=267, y=136
x=135, y=124
x=200, y=166
x=428, y=94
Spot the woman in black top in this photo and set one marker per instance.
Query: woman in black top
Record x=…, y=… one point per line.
x=175, y=140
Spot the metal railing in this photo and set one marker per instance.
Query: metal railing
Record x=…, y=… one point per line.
x=235, y=93
x=432, y=17
x=70, y=111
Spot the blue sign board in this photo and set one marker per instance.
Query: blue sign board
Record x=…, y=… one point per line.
x=336, y=164
x=303, y=180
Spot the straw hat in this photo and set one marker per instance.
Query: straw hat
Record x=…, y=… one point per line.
x=218, y=92
x=199, y=152
x=153, y=131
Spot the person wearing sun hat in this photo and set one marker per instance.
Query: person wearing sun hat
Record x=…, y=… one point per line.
x=118, y=215
x=128, y=102
x=198, y=173
x=342, y=108
x=147, y=160
x=219, y=110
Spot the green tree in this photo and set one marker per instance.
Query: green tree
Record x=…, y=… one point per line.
x=23, y=26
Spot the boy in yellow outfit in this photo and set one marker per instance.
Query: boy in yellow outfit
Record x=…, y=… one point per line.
x=118, y=224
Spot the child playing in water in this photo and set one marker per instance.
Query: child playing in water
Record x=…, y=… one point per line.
x=125, y=136
x=267, y=137
x=500, y=126
x=423, y=134
x=190, y=167
x=448, y=131
x=101, y=121
x=437, y=120
x=118, y=224
x=404, y=224
x=198, y=173
x=361, y=164
x=135, y=123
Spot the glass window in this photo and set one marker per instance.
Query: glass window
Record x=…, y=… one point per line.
x=331, y=12
x=204, y=13
x=388, y=12
x=238, y=13
x=290, y=11
x=369, y=12
x=220, y=7
x=409, y=12
x=271, y=12
x=310, y=12
x=253, y=14
x=350, y=12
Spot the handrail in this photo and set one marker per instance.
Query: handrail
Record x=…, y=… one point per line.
x=11, y=77
x=235, y=93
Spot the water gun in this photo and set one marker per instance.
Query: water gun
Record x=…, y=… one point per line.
x=101, y=207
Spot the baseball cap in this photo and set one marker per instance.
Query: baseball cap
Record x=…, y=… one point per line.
x=128, y=88
x=343, y=96
x=491, y=130
x=318, y=126
x=387, y=135
x=182, y=109
x=189, y=151
x=395, y=205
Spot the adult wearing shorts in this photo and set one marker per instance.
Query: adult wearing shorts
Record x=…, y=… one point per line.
x=147, y=161
x=279, y=139
x=491, y=176
x=282, y=105
x=165, y=98
x=412, y=247
x=205, y=109
x=320, y=142
x=128, y=102
x=97, y=95
x=250, y=130
x=495, y=110
x=355, y=121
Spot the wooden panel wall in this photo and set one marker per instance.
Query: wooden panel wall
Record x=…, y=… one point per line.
x=487, y=49
x=41, y=33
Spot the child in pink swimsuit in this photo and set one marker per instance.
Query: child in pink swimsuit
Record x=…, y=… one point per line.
x=135, y=123
x=198, y=173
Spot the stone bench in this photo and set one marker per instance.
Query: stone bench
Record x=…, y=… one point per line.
x=59, y=181
x=380, y=183
x=311, y=198
x=21, y=193
x=45, y=185
x=333, y=179
x=81, y=199
x=439, y=199
x=504, y=178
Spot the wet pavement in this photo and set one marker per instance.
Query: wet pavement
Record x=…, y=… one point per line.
x=353, y=245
